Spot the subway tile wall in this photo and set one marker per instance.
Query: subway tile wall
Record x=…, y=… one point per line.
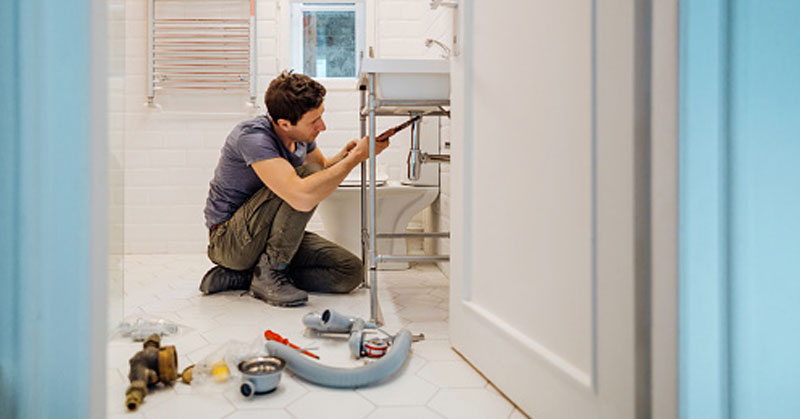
x=172, y=146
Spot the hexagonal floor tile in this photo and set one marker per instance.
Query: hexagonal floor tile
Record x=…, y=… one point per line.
x=343, y=404
x=467, y=403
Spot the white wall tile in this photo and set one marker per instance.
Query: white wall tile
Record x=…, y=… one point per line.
x=266, y=10
x=167, y=158
x=265, y=29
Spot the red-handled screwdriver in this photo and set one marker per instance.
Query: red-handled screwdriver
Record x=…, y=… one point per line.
x=270, y=335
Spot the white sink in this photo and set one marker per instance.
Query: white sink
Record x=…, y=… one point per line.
x=407, y=79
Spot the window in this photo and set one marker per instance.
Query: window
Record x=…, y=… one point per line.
x=327, y=39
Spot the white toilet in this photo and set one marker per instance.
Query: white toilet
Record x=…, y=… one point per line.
x=396, y=205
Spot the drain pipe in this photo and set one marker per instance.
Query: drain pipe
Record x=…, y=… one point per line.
x=332, y=322
x=327, y=376
x=414, y=160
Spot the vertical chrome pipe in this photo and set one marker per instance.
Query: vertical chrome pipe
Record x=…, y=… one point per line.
x=151, y=14
x=375, y=315
x=414, y=161
x=253, y=60
x=362, y=95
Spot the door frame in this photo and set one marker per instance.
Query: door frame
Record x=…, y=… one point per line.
x=54, y=241
x=704, y=370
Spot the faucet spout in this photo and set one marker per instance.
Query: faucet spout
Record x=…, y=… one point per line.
x=445, y=50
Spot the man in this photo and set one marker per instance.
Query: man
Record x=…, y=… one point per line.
x=269, y=179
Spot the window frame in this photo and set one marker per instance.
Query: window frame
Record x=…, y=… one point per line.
x=296, y=33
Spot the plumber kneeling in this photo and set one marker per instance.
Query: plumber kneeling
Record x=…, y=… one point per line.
x=269, y=179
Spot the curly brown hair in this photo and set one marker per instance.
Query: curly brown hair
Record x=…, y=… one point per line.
x=290, y=95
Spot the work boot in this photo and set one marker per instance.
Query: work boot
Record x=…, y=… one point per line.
x=274, y=285
x=219, y=279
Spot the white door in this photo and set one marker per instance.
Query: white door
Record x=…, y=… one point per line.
x=545, y=274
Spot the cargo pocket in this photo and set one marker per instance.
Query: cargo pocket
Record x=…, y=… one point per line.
x=242, y=233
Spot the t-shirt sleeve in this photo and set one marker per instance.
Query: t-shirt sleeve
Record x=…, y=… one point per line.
x=255, y=146
x=311, y=147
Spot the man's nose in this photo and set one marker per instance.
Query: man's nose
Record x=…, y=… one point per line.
x=322, y=126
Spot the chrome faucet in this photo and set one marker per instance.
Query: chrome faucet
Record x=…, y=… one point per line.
x=446, y=51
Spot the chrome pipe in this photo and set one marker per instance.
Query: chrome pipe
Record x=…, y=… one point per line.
x=414, y=159
x=435, y=158
x=362, y=98
x=150, y=32
x=167, y=87
x=253, y=70
x=196, y=20
x=392, y=258
x=375, y=314
x=405, y=102
x=442, y=234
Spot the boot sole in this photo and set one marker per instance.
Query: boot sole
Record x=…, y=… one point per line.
x=207, y=289
x=278, y=304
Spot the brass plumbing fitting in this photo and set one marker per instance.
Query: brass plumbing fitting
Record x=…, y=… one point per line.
x=153, y=364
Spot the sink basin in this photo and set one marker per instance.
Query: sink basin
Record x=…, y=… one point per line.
x=407, y=79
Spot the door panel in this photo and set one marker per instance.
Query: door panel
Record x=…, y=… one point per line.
x=545, y=205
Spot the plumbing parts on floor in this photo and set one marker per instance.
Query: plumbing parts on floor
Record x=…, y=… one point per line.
x=141, y=328
x=153, y=364
x=260, y=375
x=358, y=342
x=261, y=365
x=332, y=322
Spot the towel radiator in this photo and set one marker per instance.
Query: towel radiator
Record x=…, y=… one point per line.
x=200, y=53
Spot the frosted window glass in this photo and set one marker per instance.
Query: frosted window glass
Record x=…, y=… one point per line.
x=329, y=43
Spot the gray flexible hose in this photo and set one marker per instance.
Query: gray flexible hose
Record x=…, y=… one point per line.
x=356, y=377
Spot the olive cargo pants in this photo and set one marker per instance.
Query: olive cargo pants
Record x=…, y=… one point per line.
x=267, y=224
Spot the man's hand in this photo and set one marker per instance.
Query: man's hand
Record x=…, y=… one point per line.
x=349, y=146
x=360, y=149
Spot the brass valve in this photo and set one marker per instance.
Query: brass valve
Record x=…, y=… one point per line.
x=153, y=364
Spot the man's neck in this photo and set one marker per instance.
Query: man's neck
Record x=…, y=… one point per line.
x=287, y=142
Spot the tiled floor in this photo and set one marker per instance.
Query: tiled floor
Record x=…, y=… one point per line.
x=434, y=383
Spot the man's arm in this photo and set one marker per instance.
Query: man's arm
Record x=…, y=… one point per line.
x=303, y=194
x=317, y=157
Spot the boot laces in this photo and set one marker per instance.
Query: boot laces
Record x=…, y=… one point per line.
x=281, y=277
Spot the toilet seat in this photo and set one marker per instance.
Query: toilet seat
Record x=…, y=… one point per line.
x=354, y=180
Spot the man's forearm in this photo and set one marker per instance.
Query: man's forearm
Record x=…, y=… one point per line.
x=335, y=159
x=320, y=185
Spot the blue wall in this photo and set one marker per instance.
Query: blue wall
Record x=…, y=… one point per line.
x=45, y=209
x=739, y=208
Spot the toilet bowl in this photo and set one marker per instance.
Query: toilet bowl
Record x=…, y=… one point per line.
x=396, y=204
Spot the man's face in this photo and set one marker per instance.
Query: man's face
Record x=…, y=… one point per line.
x=308, y=126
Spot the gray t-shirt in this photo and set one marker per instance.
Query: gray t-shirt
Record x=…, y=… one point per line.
x=234, y=180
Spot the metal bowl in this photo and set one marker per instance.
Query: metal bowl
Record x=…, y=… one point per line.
x=260, y=375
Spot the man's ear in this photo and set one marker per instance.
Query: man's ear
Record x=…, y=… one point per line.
x=284, y=124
